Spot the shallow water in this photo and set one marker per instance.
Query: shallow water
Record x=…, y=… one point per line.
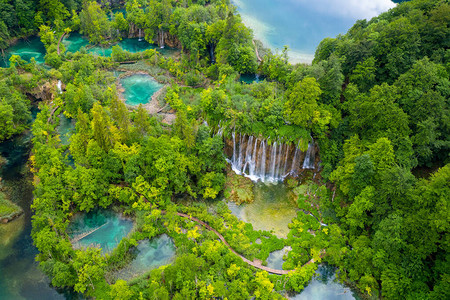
x=271, y=210
x=139, y=88
x=275, y=259
x=65, y=129
x=26, y=49
x=302, y=24
x=111, y=229
x=150, y=254
x=325, y=287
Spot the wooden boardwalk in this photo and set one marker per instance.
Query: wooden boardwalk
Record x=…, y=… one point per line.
x=79, y=237
x=252, y=263
x=255, y=264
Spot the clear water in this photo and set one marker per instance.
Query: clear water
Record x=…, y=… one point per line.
x=150, y=254
x=26, y=49
x=325, y=287
x=65, y=129
x=275, y=259
x=139, y=88
x=302, y=24
x=107, y=237
x=271, y=210
x=250, y=78
x=75, y=41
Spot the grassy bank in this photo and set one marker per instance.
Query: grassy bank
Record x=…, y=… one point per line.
x=8, y=210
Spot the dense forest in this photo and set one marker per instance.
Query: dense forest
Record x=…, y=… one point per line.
x=375, y=101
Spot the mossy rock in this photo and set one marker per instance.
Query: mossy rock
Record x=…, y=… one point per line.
x=238, y=188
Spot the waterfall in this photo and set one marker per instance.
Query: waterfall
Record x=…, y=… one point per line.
x=140, y=35
x=293, y=168
x=253, y=158
x=253, y=162
x=162, y=40
x=248, y=155
x=263, y=161
x=233, y=159
x=273, y=158
x=308, y=163
x=241, y=152
x=211, y=53
x=58, y=85
x=285, y=161
x=220, y=131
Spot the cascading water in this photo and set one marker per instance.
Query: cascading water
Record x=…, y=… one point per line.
x=308, y=163
x=58, y=85
x=255, y=159
x=161, y=39
x=139, y=35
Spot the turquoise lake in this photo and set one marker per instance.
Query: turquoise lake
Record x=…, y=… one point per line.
x=302, y=24
x=26, y=49
x=139, y=88
x=75, y=41
x=109, y=228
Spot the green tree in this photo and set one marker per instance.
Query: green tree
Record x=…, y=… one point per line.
x=94, y=22
x=301, y=106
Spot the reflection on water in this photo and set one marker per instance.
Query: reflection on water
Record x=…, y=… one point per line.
x=150, y=254
x=275, y=259
x=271, y=210
x=325, y=287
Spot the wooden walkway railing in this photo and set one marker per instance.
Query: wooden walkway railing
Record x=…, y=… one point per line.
x=79, y=237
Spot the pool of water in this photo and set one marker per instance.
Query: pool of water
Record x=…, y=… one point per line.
x=326, y=287
x=271, y=210
x=109, y=228
x=75, y=41
x=250, y=78
x=275, y=259
x=65, y=129
x=26, y=49
x=150, y=254
x=302, y=24
x=139, y=88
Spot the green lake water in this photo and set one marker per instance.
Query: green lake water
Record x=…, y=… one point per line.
x=112, y=228
x=139, y=88
x=26, y=49
x=150, y=254
x=271, y=210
